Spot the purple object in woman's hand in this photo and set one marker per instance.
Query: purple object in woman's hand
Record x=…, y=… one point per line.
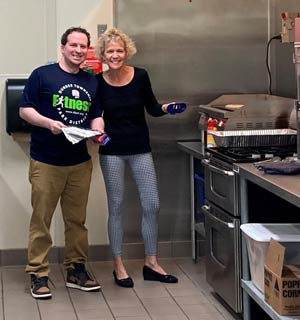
x=176, y=107
x=102, y=139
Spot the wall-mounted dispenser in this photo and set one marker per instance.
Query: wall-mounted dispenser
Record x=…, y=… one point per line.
x=14, y=90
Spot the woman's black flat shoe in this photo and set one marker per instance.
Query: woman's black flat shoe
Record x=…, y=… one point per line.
x=125, y=283
x=151, y=275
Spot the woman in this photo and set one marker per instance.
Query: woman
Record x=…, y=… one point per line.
x=124, y=93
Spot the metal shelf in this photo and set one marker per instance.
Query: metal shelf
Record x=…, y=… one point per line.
x=258, y=296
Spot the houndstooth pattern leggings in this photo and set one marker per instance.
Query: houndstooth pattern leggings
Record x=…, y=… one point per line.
x=143, y=171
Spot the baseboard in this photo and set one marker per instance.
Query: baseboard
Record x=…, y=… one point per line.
x=168, y=249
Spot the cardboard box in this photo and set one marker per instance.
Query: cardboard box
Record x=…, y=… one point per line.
x=258, y=238
x=282, y=282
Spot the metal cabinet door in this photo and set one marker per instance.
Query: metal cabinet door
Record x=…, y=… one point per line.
x=223, y=255
x=220, y=186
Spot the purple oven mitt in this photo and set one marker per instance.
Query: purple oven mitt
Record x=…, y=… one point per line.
x=176, y=107
x=281, y=167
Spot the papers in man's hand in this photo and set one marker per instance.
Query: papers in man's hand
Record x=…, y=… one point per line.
x=74, y=134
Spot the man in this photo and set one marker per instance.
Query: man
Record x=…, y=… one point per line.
x=56, y=96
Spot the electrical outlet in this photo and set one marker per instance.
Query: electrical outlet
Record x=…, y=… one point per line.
x=101, y=28
x=288, y=26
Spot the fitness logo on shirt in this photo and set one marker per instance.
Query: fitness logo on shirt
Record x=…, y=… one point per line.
x=73, y=103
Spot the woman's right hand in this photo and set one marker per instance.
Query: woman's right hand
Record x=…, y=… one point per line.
x=102, y=139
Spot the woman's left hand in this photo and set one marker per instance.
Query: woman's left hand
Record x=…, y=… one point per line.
x=174, y=107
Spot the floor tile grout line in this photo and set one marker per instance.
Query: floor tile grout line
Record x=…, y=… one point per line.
x=3, y=298
x=61, y=269
x=174, y=297
x=141, y=301
x=38, y=308
x=103, y=295
x=36, y=300
x=192, y=274
x=2, y=292
x=177, y=304
x=193, y=282
x=198, y=287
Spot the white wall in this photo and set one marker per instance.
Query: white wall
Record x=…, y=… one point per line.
x=31, y=33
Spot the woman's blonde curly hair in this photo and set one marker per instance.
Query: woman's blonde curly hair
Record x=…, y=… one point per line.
x=114, y=34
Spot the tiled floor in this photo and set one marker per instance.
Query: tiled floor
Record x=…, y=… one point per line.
x=191, y=298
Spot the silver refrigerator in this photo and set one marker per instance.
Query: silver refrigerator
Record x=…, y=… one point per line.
x=194, y=51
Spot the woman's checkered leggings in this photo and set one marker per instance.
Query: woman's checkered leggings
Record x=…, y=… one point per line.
x=143, y=171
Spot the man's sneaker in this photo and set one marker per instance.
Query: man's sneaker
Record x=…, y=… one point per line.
x=79, y=278
x=39, y=287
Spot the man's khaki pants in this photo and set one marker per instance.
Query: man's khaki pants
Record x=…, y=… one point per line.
x=50, y=183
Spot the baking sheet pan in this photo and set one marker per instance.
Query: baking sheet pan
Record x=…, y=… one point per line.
x=255, y=138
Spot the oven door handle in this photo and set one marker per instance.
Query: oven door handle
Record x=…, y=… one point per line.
x=206, y=162
x=206, y=209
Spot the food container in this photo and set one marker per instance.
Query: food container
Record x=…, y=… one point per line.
x=258, y=237
x=255, y=138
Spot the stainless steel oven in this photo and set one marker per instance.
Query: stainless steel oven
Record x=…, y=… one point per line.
x=222, y=228
x=235, y=114
x=220, y=183
x=222, y=217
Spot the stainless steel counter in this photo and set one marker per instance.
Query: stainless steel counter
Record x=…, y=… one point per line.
x=193, y=148
x=286, y=187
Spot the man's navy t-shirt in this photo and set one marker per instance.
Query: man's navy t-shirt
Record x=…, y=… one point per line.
x=69, y=98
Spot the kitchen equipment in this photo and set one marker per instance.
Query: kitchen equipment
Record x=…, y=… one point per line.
x=255, y=138
x=251, y=154
x=222, y=216
x=222, y=225
x=255, y=129
x=188, y=34
x=255, y=111
x=297, y=71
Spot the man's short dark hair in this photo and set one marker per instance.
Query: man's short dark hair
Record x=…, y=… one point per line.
x=64, y=37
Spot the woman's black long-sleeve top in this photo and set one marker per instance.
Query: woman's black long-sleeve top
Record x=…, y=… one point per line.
x=124, y=114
